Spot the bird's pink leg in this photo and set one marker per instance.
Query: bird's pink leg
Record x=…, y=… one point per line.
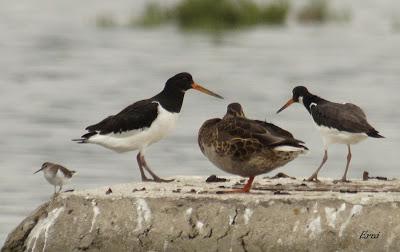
x=314, y=177
x=155, y=177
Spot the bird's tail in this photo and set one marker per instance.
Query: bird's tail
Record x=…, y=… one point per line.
x=80, y=140
x=375, y=134
x=291, y=148
x=291, y=145
x=84, y=138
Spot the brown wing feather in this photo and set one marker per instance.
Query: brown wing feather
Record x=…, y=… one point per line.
x=67, y=173
x=266, y=134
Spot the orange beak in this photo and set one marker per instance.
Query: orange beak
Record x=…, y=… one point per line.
x=290, y=102
x=204, y=90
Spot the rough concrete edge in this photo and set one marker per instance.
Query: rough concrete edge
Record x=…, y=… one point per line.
x=16, y=239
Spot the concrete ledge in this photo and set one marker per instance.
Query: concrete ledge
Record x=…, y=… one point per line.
x=188, y=215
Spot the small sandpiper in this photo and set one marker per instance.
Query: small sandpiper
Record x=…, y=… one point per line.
x=56, y=174
x=342, y=123
x=247, y=147
x=144, y=122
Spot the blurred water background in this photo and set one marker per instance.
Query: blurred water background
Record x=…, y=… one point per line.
x=60, y=72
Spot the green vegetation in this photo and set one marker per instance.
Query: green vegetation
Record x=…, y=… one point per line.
x=228, y=14
x=276, y=12
x=220, y=15
x=217, y=14
x=153, y=15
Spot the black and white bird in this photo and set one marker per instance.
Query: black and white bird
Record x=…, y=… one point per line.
x=342, y=123
x=144, y=122
x=56, y=174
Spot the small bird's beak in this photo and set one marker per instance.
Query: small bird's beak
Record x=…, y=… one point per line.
x=38, y=170
x=290, y=102
x=204, y=90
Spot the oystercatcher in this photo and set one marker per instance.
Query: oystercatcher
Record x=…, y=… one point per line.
x=144, y=122
x=56, y=174
x=246, y=147
x=342, y=123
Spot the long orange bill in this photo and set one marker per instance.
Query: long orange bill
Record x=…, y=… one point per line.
x=204, y=90
x=290, y=102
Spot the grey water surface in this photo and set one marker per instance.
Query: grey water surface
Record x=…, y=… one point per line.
x=60, y=73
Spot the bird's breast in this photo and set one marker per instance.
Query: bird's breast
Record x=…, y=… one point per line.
x=55, y=178
x=162, y=125
x=136, y=139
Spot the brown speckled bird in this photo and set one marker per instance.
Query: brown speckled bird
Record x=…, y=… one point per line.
x=247, y=147
x=56, y=174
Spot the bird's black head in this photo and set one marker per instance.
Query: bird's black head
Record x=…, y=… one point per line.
x=298, y=93
x=235, y=109
x=180, y=81
x=184, y=81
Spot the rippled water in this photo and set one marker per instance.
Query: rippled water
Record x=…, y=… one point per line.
x=59, y=73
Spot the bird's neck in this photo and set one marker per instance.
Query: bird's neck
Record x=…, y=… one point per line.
x=309, y=99
x=234, y=114
x=170, y=99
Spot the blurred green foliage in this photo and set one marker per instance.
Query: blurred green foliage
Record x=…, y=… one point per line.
x=228, y=14
x=153, y=15
x=219, y=15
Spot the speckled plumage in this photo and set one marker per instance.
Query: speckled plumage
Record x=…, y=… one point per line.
x=246, y=147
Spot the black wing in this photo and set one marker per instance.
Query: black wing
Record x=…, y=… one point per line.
x=344, y=117
x=136, y=116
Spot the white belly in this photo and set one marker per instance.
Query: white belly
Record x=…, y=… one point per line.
x=331, y=136
x=139, y=139
x=56, y=179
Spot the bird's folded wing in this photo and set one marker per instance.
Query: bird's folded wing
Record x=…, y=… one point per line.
x=344, y=117
x=275, y=130
x=67, y=173
x=136, y=116
x=274, y=141
x=251, y=129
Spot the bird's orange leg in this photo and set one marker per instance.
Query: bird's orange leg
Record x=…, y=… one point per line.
x=245, y=189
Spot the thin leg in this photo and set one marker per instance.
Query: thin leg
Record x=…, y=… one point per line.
x=247, y=186
x=245, y=189
x=59, y=190
x=314, y=177
x=344, y=178
x=155, y=177
x=140, y=164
